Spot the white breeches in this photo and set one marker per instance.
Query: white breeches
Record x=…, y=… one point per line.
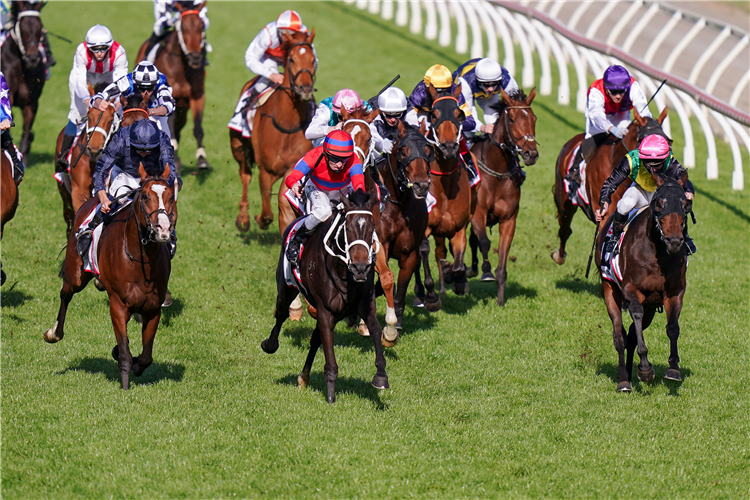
x=244, y=123
x=163, y=123
x=122, y=183
x=635, y=197
x=319, y=203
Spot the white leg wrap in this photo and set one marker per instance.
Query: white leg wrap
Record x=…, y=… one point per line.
x=200, y=153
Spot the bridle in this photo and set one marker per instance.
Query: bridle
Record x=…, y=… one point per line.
x=366, y=159
x=510, y=142
x=343, y=251
x=150, y=232
x=416, y=151
x=180, y=36
x=15, y=33
x=293, y=76
x=113, y=127
x=443, y=118
x=657, y=213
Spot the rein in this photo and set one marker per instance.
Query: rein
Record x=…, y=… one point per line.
x=16, y=31
x=365, y=159
x=88, y=138
x=293, y=76
x=335, y=226
x=149, y=226
x=180, y=37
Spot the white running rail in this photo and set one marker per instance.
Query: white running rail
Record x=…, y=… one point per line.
x=536, y=31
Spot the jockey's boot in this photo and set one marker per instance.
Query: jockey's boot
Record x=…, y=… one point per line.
x=86, y=234
x=155, y=39
x=574, y=174
x=250, y=100
x=689, y=243
x=61, y=165
x=18, y=167
x=385, y=195
x=295, y=245
x=172, y=243
x=473, y=175
x=618, y=224
x=51, y=61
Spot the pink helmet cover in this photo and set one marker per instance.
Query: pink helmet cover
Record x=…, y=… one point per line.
x=653, y=147
x=347, y=98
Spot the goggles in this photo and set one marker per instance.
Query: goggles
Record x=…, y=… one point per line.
x=616, y=91
x=653, y=164
x=143, y=150
x=393, y=115
x=486, y=85
x=99, y=48
x=337, y=159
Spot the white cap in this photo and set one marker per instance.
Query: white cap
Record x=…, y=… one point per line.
x=99, y=35
x=392, y=100
x=488, y=70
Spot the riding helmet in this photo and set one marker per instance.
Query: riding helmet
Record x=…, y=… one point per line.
x=439, y=76
x=338, y=143
x=145, y=76
x=289, y=20
x=488, y=70
x=392, y=100
x=347, y=98
x=616, y=78
x=144, y=134
x=653, y=147
x=98, y=36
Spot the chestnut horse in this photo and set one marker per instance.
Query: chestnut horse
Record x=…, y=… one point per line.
x=337, y=272
x=451, y=188
x=599, y=168
x=278, y=139
x=8, y=197
x=653, y=261
x=500, y=190
x=183, y=63
x=23, y=67
x=134, y=266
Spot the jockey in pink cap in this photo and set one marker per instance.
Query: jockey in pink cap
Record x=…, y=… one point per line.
x=653, y=158
x=328, y=115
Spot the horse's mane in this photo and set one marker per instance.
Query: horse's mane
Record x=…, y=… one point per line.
x=359, y=198
x=500, y=106
x=134, y=100
x=99, y=87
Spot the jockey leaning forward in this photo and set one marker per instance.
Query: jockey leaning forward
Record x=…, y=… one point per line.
x=441, y=78
x=148, y=80
x=9, y=16
x=332, y=170
x=392, y=107
x=6, y=120
x=653, y=157
x=263, y=57
x=166, y=14
x=608, y=106
x=327, y=116
x=117, y=173
x=98, y=60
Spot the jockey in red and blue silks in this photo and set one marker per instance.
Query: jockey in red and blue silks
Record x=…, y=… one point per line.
x=608, y=106
x=332, y=171
x=6, y=120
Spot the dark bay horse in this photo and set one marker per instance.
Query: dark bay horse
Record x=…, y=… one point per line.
x=8, y=197
x=278, y=137
x=653, y=262
x=182, y=62
x=134, y=266
x=603, y=162
x=23, y=67
x=500, y=190
x=336, y=268
x=451, y=188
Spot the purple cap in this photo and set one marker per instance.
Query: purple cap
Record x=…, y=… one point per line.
x=616, y=78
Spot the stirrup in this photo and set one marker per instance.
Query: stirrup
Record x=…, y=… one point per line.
x=84, y=241
x=690, y=244
x=574, y=175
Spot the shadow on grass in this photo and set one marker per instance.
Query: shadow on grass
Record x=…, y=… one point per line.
x=736, y=211
x=480, y=291
x=580, y=285
x=14, y=298
x=265, y=237
x=36, y=159
x=300, y=334
x=201, y=174
x=344, y=385
x=173, y=311
x=644, y=388
x=108, y=367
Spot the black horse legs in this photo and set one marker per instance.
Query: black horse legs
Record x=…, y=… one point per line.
x=304, y=378
x=432, y=302
x=367, y=311
x=673, y=307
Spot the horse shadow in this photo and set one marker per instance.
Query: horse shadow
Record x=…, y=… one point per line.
x=562, y=119
x=108, y=367
x=14, y=298
x=200, y=174
x=343, y=336
x=40, y=158
x=172, y=311
x=344, y=385
x=264, y=237
x=578, y=285
x=736, y=211
x=487, y=290
x=644, y=388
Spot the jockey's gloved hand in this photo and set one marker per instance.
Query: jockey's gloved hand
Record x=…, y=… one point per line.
x=387, y=146
x=620, y=131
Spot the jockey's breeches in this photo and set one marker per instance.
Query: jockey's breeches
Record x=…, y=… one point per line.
x=635, y=197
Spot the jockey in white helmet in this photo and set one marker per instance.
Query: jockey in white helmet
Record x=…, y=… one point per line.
x=392, y=104
x=98, y=60
x=263, y=57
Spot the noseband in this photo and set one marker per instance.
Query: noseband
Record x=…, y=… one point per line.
x=181, y=38
x=293, y=76
x=150, y=231
x=444, y=117
x=343, y=252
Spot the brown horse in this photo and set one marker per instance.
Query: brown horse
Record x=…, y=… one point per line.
x=23, y=67
x=451, y=188
x=337, y=273
x=598, y=169
x=183, y=63
x=8, y=197
x=653, y=261
x=278, y=139
x=500, y=190
x=134, y=266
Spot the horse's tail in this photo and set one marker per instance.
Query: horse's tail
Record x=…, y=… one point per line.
x=61, y=274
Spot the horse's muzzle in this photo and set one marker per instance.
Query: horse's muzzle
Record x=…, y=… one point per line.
x=673, y=244
x=530, y=157
x=32, y=60
x=305, y=92
x=359, y=272
x=449, y=150
x=421, y=189
x=195, y=59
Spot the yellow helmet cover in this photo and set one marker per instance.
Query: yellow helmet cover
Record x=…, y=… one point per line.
x=439, y=76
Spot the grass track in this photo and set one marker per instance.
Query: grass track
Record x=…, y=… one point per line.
x=484, y=402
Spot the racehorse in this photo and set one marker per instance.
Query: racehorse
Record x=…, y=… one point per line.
x=653, y=261
x=134, y=266
x=337, y=273
x=451, y=188
x=598, y=169
x=78, y=184
x=403, y=223
x=500, y=190
x=183, y=63
x=278, y=138
x=23, y=66
x=8, y=197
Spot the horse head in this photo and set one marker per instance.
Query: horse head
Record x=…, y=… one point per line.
x=27, y=34
x=359, y=233
x=413, y=157
x=191, y=35
x=100, y=126
x=135, y=107
x=670, y=208
x=155, y=206
x=357, y=124
x=301, y=63
x=446, y=120
x=516, y=125
x=645, y=126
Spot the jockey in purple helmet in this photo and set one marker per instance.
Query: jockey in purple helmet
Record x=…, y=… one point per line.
x=6, y=120
x=608, y=106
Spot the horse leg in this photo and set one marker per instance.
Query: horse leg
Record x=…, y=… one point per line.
x=458, y=247
x=444, y=273
x=74, y=280
x=673, y=307
x=304, y=378
x=284, y=297
x=390, y=333
x=144, y=360
x=196, y=108
x=176, y=125
x=407, y=267
x=565, y=212
x=69, y=213
x=367, y=311
x=331, y=369
x=635, y=307
x=240, y=148
x=29, y=113
x=612, y=300
x=432, y=301
x=120, y=316
x=507, y=230
x=296, y=311
x=418, y=289
x=266, y=181
x=474, y=245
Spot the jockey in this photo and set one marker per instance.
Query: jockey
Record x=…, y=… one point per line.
x=8, y=17
x=98, y=60
x=117, y=172
x=392, y=105
x=481, y=81
x=328, y=115
x=656, y=158
x=6, y=120
x=167, y=14
x=340, y=172
x=608, y=106
x=149, y=80
x=441, y=78
x=263, y=57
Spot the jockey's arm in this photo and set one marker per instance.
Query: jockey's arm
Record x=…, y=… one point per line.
x=595, y=113
x=618, y=175
x=158, y=111
x=121, y=64
x=78, y=81
x=512, y=88
x=490, y=115
x=255, y=52
x=113, y=90
x=164, y=100
x=319, y=124
x=113, y=153
x=638, y=98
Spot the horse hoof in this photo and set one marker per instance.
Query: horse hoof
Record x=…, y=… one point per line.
x=99, y=285
x=461, y=287
x=387, y=343
x=646, y=375
x=390, y=333
x=243, y=225
x=167, y=299
x=472, y=272
x=269, y=347
x=673, y=374
x=624, y=387
x=303, y=380
x=2, y=278
x=263, y=222
x=557, y=258
x=362, y=329
x=203, y=164
x=379, y=382
x=295, y=314
x=487, y=277
x=418, y=302
x=49, y=335
x=116, y=353
x=433, y=305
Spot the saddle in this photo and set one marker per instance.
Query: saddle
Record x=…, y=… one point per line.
x=291, y=274
x=610, y=267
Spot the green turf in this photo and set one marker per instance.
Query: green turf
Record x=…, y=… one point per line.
x=484, y=402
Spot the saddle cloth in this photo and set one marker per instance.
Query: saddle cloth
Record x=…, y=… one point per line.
x=59, y=175
x=579, y=197
x=292, y=277
x=610, y=268
x=91, y=263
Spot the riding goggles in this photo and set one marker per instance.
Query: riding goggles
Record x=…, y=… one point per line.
x=616, y=91
x=99, y=48
x=653, y=164
x=486, y=85
x=142, y=150
x=393, y=115
x=337, y=159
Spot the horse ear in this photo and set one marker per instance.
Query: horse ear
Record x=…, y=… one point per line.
x=662, y=115
x=142, y=172
x=457, y=92
x=166, y=173
x=531, y=97
x=659, y=204
x=401, y=129
x=311, y=36
x=373, y=114
x=91, y=89
x=638, y=118
x=422, y=127
x=682, y=180
x=659, y=180
x=432, y=91
x=506, y=97
x=345, y=115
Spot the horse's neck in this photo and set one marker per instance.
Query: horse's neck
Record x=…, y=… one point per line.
x=496, y=158
x=134, y=232
x=443, y=164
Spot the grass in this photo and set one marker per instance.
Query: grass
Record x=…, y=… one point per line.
x=484, y=402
